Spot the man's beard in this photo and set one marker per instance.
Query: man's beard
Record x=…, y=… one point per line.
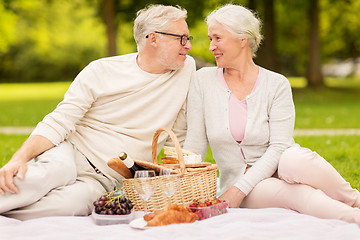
x=167, y=62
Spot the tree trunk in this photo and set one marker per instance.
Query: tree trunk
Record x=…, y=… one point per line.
x=267, y=52
x=314, y=75
x=109, y=15
x=252, y=5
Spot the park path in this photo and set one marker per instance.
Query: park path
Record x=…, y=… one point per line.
x=297, y=132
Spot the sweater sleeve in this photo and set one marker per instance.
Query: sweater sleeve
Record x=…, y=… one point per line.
x=180, y=125
x=196, y=139
x=281, y=118
x=57, y=125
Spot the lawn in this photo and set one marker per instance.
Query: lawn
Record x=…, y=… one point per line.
x=27, y=104
x=341, y=151
x=336, y=107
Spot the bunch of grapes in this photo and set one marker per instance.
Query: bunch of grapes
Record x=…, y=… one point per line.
x=113, y=203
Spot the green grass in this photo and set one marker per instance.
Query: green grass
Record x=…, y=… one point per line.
x=336, y=107
x=343, y=152
x=28, y=91
x=8, y=145
x=26, y=104
x=330, y=108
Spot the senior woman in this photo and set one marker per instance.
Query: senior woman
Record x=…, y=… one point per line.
x=246, y=114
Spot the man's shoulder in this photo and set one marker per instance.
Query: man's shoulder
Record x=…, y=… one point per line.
x=205, y=76
x=119, y=58
x=206, y=72
x=189, y=62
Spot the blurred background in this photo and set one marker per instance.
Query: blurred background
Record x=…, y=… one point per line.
x=44, y=44
x=52, y=40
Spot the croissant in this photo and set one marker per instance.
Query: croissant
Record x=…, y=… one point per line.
x=171, y=215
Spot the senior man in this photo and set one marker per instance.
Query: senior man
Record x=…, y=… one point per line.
x=115, y=104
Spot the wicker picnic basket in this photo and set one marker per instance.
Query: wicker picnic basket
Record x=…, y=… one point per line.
x=193, y=182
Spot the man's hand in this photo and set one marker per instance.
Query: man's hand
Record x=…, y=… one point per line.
x=233, y=196
x=14, y=168
x=17, y=166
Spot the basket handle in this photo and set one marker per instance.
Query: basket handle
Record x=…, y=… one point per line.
x=177, y=148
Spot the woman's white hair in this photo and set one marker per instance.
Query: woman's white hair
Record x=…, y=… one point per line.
x=155, y=18
x=240, y=21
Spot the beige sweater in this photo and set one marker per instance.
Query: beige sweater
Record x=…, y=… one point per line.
x=269, y=129
x=114, y=106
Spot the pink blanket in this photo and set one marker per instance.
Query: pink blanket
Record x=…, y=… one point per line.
x=258, y=224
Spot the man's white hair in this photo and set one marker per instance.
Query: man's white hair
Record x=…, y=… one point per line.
x=155, y=18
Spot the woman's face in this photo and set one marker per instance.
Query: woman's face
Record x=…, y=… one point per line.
x=226, y=48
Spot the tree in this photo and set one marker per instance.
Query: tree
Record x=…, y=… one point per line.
x=115, y=10
x=314, y=75
x=109, y=16
x=267, y=55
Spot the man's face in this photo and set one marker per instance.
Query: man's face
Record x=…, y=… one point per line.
x=171, y=54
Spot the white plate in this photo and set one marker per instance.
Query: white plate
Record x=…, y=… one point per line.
x=139, y=223
x=101, y=219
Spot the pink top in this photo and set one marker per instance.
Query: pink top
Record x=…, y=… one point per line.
x=237, y=109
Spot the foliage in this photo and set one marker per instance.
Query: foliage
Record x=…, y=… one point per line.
x=6, y=30
x=339, y=32
x=55, y=39
x=47, y=40
x=340, y=29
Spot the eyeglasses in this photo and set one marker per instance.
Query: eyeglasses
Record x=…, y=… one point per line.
x=183, y=38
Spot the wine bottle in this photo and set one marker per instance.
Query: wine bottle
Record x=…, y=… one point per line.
x=129, y=162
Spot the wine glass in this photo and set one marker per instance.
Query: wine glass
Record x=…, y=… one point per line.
x=170, y=182
x=144, y=184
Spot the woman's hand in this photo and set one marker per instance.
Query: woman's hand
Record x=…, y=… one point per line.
x=233, y=196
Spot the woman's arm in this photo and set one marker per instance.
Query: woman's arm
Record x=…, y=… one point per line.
x=281, y=119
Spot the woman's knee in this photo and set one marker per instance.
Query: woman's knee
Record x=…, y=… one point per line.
x=293, y=160
x=263, y=194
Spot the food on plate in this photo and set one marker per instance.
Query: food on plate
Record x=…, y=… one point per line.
x=113, y=203
x=174, y=213
x=151, y=215
x=208, y=208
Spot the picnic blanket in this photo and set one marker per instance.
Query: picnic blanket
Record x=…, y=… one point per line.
x=257, y=224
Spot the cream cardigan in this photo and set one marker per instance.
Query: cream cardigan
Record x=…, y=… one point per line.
x=114, y=106
x=269, y=129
